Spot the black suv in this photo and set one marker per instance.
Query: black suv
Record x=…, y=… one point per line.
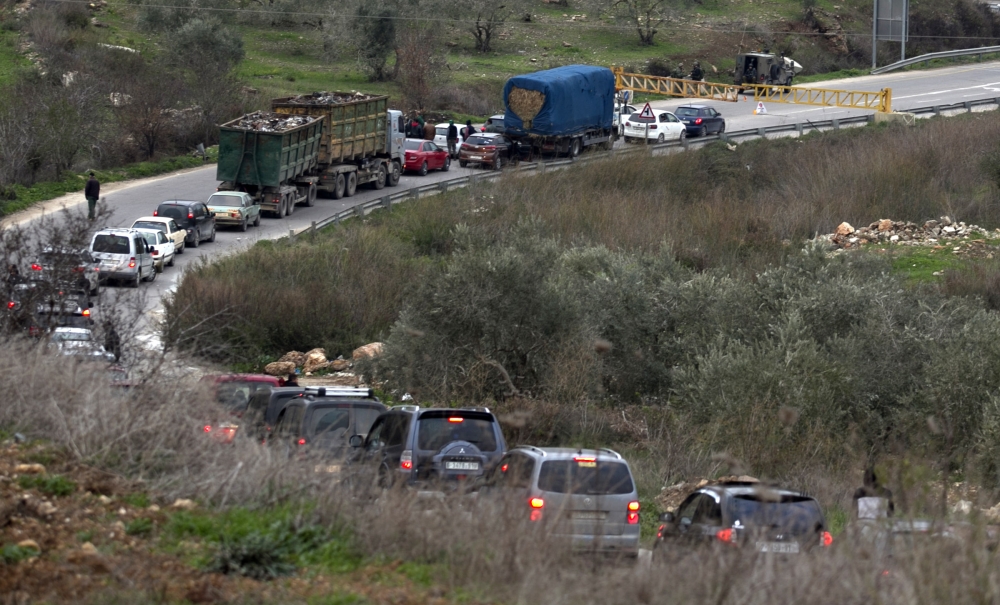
x=322, y=420
x=426, y=446
x=748, y=515
x=194, y=217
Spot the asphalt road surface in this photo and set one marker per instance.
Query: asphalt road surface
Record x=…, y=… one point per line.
x=909, y=90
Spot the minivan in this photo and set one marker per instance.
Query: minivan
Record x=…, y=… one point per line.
x=194, y=217
x=123, y=255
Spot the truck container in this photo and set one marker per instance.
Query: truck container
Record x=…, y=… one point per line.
x=328, y=141
x=361, y=137
x=561, y=110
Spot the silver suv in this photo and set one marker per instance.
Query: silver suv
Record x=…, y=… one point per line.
x=123, y=255
x=585, y=497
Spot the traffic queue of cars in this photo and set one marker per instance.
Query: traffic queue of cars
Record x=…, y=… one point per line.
x=585, y=498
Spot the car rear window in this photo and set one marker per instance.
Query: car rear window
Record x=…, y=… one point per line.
x=437, y=430
x=686, y=112
x=637, y=117
x=174, y=212
x=225, y=200
x=413, y=145
x=328, y=421
x=112, y=244
x=150, y=225
x=480, y=140
x=798, y=514
x=441, y=130
x=588, y=476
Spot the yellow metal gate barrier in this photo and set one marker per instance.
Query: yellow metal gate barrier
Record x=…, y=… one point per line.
x=880, y=101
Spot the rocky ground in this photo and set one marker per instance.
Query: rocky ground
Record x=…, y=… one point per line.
x=957, y=238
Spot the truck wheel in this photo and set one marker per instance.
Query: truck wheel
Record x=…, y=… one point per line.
x=394, y=174
x=311, y=195
x=352, y=184
x=574, y=148
x=290, y=206
x=380, y=178
x=338, y=187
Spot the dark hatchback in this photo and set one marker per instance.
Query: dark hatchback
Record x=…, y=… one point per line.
x=701, y=120
x=748, y=516
x=322, y=426
x=193, y=217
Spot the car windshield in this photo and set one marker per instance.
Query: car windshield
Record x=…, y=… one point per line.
x=585, y=475
x=798, y=514
x=224, y=200
x=436, y=431
x=412, y=145
x=686, y=112
x=162, y=227
x=480, y=140
x=112, y=244
x=235, y=394
x=637, y=117
x=150, y=238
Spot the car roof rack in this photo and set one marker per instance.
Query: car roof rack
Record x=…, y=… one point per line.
x=339, y=391
x=533, y=448
x=405, y=407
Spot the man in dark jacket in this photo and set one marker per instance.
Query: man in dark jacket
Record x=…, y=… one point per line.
x=697, y=74
x=92, y=191
x=469, y=130
x=872, y=488
x=452, y=139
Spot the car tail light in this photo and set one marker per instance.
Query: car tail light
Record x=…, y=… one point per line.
x=406, y=460
x=36, y=267
x=536, y=504
x=78, y=269
x=208, y=428
x=659, y=531
x=456, y=419
x=726, y=535
x=584, y=459
x=131, y=263
x=86, y=312
x=628, y=123
x=634, y=506
x=11, y=304
x=156, y=213
x=652, y=126
x=301, y=441
x=489, y=147
x=190, y=216
x=826, y=538
x=697, y=121
x=633, y=518
x=503, y=469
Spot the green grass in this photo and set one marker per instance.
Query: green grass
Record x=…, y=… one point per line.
x=12, y=553
x=139, y=527
x=137, y=500
x=50, y=485
x=920, y=263
x=74, y=182
x=11, y=62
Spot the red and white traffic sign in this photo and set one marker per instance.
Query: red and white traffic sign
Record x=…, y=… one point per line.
x=647, y=112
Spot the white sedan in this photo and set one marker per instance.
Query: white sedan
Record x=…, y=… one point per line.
x=663, y=126
x=163, y=248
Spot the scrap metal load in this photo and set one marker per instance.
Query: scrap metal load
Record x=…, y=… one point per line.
x=355, y=123
x=264, y=121
x=328, y=98
x=561, y=110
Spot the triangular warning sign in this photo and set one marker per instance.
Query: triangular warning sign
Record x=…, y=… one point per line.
x=647, y=112
x=760, y=109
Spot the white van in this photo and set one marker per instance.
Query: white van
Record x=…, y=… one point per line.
x=123, y=255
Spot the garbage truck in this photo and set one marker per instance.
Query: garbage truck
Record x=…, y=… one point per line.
x=561, y=110
x=329, y=142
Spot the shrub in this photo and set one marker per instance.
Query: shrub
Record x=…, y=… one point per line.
x=139, y=527
x=50, y=485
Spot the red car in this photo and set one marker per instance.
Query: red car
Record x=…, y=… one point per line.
x=422, y=156
x=235, y=390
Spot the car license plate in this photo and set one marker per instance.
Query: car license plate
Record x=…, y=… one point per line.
x=461, y=466
x=476, y=157
x=781, y=547
x=590, y=515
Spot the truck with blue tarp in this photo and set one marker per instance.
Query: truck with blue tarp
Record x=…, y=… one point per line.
x=561, y=110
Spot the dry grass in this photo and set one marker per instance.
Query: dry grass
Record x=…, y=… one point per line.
x=525, y=103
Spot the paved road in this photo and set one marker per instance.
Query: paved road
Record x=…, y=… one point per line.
x=910, y=89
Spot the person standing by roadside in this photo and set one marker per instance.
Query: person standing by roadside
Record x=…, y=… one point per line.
x=468, y=130
x=452, y=139
x=92, y=191
x=429, y=131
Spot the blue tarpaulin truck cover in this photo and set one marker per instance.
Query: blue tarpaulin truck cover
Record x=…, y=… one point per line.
x=576, y=98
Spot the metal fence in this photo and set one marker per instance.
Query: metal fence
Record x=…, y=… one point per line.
x=389, y=199
x=947, y=54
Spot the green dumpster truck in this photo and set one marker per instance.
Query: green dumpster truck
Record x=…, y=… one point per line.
x=326, y=142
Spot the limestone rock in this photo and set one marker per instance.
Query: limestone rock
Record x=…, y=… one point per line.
x=315, y=360
x=29, y=469
x=30, y=544
x=845, y=228
x=339, y=365
x=295, y=357
x=369, y=350
x=184, y=504
x=884, y=225
x=279, y=368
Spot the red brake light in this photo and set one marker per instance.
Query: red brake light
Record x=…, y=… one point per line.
x=827, y=538
x=208, y=428
x=585, y=458
x=406, y=460
x=659, y=531
x=503, y=469
x=489, y=147
x=456, y=419
x=11, y=304
x=536, y=503
x=633, y=518
x=190, y=216
x=301, y=441
x=86, y=312
x=726, y=535
x=697, y=121
x=633, y=506
x=652, y=126
x=131, y=263
x=156, y=213
x=36, y=267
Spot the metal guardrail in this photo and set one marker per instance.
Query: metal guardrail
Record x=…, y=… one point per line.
x=415, y=193
x=946, y=54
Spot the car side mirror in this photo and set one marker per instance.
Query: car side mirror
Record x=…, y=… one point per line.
x=355, y=441
x=666, y=517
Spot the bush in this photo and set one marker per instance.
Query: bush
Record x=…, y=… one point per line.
x=50, y=485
